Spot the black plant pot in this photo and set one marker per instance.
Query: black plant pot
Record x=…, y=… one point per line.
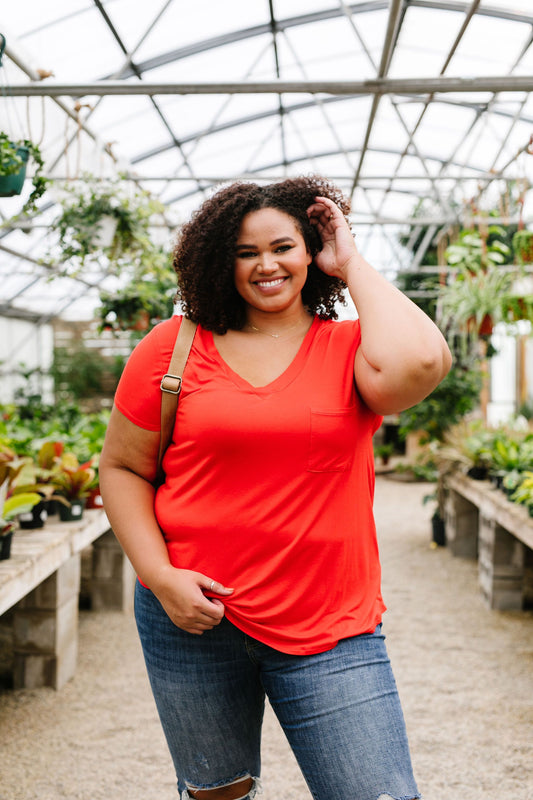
x=5, y=545
x=35, y=518
x=72, y=512
x=52, y=507
x=438, y=530
x=478, y=473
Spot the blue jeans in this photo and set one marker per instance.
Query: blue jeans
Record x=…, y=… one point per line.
x=339, y=710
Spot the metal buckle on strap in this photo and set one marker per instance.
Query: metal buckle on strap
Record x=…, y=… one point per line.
x=176, y=389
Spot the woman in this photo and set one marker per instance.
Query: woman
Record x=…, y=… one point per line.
x=257, y=560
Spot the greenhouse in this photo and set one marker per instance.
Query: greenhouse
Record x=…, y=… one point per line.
x=118, y=121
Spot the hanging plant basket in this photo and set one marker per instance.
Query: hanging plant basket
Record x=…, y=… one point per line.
x=523, y=246
x=486, y=325
x=14, y=158
x=12, y=184
x=104, y=232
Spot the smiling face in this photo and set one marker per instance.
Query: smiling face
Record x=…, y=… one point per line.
x=271, y=261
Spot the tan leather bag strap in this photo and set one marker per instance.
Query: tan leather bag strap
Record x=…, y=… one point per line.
x=171, y=385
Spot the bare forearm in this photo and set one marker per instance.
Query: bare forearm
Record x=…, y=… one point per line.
x=128, y=501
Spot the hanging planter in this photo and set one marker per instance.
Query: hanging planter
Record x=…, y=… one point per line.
x=147, y=300
x=104, y=232
x=523, y=246
x=14, y=159
x=104, y=218
x=486, y=326
x=11, y=183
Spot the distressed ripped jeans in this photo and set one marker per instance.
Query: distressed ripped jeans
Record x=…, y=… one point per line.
x=339, y=709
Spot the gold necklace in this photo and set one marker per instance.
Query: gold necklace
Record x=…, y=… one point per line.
x=274, y=335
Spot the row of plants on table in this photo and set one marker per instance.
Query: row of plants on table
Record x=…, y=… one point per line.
x=502, y=455
x=480, y=278
x=48, y=465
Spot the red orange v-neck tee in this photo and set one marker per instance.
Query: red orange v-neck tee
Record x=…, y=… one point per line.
x=269, y=490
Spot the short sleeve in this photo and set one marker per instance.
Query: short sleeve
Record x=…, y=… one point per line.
x=138, y=394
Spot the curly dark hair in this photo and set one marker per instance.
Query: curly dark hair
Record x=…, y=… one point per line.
x=204, y=255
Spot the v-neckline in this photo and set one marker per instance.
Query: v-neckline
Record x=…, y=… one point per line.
x=282, y=380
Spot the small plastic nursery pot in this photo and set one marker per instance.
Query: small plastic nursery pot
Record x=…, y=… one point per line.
x=5, y=545
x=72, y=512
x=11, y=185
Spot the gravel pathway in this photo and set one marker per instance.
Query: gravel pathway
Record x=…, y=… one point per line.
x=465, y=676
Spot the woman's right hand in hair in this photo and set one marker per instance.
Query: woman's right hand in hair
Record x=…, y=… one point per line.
x=181, y=592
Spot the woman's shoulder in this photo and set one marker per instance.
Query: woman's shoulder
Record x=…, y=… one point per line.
x=340, y=330
x=160, y=339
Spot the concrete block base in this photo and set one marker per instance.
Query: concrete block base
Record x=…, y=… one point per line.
x=45, y=630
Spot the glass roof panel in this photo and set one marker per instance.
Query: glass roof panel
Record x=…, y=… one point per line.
x=424, y=42
x=490, y=46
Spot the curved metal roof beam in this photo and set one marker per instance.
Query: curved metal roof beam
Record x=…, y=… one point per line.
x=307, y=19
x=256, y=173
x=137, y=72
x=250, y=33
x=213, y=130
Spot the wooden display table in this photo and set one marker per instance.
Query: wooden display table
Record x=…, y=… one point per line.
x=40, y=584
x=482, y=523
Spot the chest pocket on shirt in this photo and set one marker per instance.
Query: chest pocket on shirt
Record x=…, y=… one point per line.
x=332, y=440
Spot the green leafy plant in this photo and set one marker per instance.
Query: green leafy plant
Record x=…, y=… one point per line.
x=83, y=375
x=510, y=450
x=14, y=155
x=482, y=292
x=71, y=479
x=146, y=300
x=475, y=295
x=384, y=452
x=86, y=204
x=13, y=502
x=466, y=445
x=523, y=493
x=523, y=246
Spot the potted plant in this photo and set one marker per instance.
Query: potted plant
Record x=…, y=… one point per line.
x=474, y=300
x=12, y=502
x=509, y=451
x=523, y=493
x=139, y=306
x=523, y=246
x=106, y=218
x=72, y=481
x=14, y=157
x=384, y=451
x=37, y=476
x=466, y=446
x=471, y=301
